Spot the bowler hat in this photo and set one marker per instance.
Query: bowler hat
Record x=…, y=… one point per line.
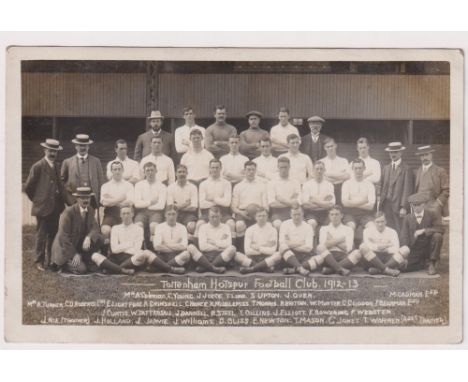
x=424, y=150
x=395, y=146
x=418, y=198
x=316, y=118
x=51, y=144
x=155, y=115
x=82, y=139
x=83, y=192
x=254, y=112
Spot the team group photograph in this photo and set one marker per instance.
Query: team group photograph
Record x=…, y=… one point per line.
x=266, y=199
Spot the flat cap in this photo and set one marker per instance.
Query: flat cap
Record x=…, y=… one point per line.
x=254, y=112
x=316, y=118
x=418, y=198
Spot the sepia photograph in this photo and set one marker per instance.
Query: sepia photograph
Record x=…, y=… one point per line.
x=195, y=195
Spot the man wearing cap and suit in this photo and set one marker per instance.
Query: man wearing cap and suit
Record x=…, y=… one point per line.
x=45, y=189
x=432, y=180
x=421, y=235
x=396, y=185
x=82, y=170
x=312, y=143
x=249, y=140
x=143, y=143
x=78, y=238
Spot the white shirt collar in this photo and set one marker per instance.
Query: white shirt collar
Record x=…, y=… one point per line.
x=117, y=159
x=82, y=157
x=51, y=164
x=427, y=167
x=419, y=216
x=83, y=210
x=397, y=162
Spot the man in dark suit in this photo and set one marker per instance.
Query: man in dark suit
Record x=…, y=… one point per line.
x=45, y=189
x=143, y=143
x=421, y=235
x=432, y=180
x=396, y=185
x=82, y=170
x=312, y=143
x=79, y=240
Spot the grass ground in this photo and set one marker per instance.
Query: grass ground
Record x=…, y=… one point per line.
x=49, y=298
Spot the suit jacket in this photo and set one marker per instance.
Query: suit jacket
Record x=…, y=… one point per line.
x=44, y=188
x=71, y=177
x=401, y=187
x=441, y=181
x=143, y=144
x=306, y=146
x=430, y=222
x=70, y=232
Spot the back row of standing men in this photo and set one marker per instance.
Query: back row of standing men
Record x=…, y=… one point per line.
x=298, y=182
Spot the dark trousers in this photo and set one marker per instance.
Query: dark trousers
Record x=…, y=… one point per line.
x=337, y=188
x=393, y=219
x=425, y=248
x=46, y=229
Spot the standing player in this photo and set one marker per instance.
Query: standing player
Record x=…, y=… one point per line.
x=131, y=171
x=312, y=143
x=381, y=248
x=250, y=138
x=233, y=162
x=182, y=134
x=283, y=193
x=45, y=190
x=150, y=200
x=116, y=193
x=217, y=135
x=358, y=199
x=396, y=186
x=301, y=164
x=260, y=246
x=215, y=244
x=335, y=249
x=372, y=172
x=296, y=242
x=318, y=196
x=267, y=164
x=165, y=165
x=184, y=196
x=280, y=132
x=336, y=168
x=143, y=143
x=197, y=160
x=247, y=196
x=170, y=242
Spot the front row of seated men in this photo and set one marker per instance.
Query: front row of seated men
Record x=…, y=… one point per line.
x=78, y=243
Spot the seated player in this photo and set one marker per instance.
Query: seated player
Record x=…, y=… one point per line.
x=247, y=196
x=184, y=196
x=150, y=200
x=380, y=248
x=301, y=164
x=214, y=243
x=78, y=239
x=283, y=193
x=215, y=192
x=318, y=196
x=335, y=246
x=358, y=198
x=421, y=235
x=116, y=193
x=296, y=239
x=233, y=162
x=127, y=253
x=197, y=159
x=260, y=246
x=170, y=242
x=267, y=164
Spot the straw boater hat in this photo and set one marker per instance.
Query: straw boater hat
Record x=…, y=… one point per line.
x=418, y=198
x=395, y=146
x=316, y=118
x=254, y=112
x=82, y=139
x=155, y=115
x=83, y=192
x=52, y=144
x=424, y=150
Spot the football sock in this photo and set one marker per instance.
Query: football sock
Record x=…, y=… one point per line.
x=111, y=267
x=160, y=264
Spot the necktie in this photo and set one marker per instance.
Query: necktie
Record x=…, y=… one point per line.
x=82, y=160
x=393, y=166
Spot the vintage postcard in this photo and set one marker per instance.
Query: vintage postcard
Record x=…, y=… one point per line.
x=234, y=196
